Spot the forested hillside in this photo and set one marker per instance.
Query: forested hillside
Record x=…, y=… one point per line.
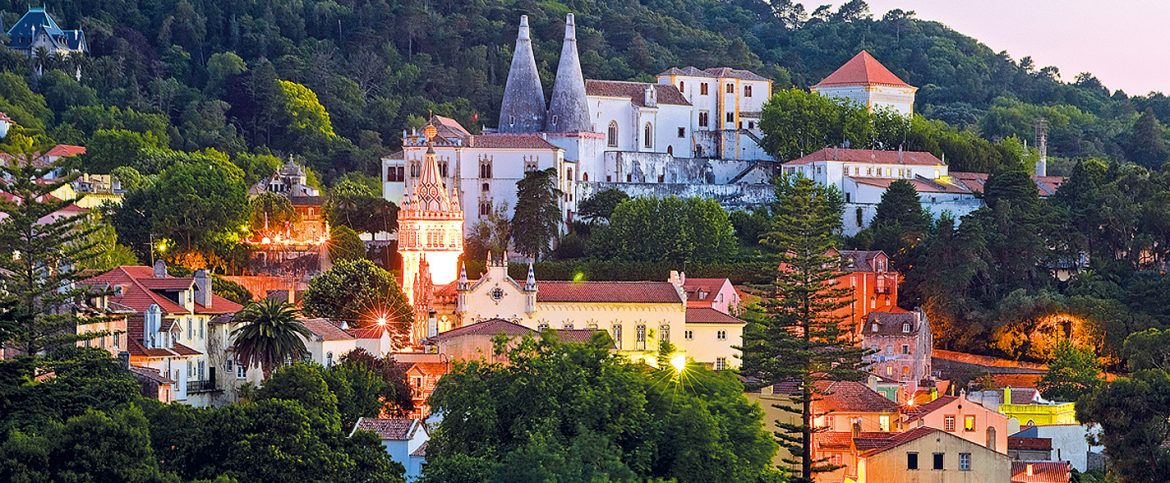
x=205, y=73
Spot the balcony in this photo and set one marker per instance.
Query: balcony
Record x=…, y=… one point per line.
x=196, y=387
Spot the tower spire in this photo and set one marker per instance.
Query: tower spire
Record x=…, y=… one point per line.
x=568, y=109
x=523, y=107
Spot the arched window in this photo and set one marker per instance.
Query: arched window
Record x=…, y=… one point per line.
x=990, y=438
x=611, y=138
x=585, y=177
x=747, y=91
x=648, y=136
x=681, y=86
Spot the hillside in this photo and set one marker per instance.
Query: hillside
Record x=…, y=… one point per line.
x=378, y=65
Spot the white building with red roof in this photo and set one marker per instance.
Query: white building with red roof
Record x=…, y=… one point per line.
x=638, y=315
x=175, y=330
x=866, y=82
x=404, y=439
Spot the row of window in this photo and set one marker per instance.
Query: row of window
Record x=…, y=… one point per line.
x=703, y=88
x=398, y=173
x=968, y=423
x=719, y=335
x=938, y=461
x=101, y=341
x=611, y=138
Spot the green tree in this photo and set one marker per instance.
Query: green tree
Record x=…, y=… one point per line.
x=490, y=236
x=360, y=293
x=396, y=392
x=1147, y=142
x=1134, y=414
x=221, y=66
x=269, y=335
x=800, y=339
x=538, y=216
x=355, y=201
x=304, y=118
x=344, y=244
x=359, y=392
x=1073, y=372
x=269, y=212
x=111, y=148
x=1148, y=349
x=900, y=224
x=42, y=254
x=601, y=205
x=99, y=447
x=796, y=123
x=681, y=231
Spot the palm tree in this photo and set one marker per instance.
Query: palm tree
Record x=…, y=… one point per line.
x=271, y=335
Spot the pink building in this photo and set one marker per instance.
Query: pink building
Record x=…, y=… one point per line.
x=900, y=343
x=716, y=293
x=962, y=418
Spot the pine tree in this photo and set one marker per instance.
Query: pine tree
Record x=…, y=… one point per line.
x=900, y=224
x=1147, y=141
x=799, y=339
x=41, y=254
x=534, y=225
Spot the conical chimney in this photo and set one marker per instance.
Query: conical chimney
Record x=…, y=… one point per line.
x=522, y=110
x=568, y=110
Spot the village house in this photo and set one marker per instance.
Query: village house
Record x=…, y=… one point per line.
x=423, y=371
x=714, y=293
x=36, y=32
x=1026, y=407
x=309, y=227
x=1041, y=472
x=1067, y=442
x=958, y=416
x=327, y=342
x=898, y=346
x=1031, y=449
x=926, y=454
x=864, y=81
x=871, y=283
x=405, y=441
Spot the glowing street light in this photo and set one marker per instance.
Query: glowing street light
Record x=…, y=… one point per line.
x=381, y=321
x=679, y=362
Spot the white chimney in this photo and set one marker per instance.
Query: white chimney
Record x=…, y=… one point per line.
x=202, y=288
x=160, y=269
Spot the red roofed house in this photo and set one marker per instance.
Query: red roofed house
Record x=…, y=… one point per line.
x=171, y=330
x=1041, y=472
x=900, y=345
x=637, y=315
x=872, y=286
x=327, y=342
x=926, y=454
x=963, y=418
x=866, y=82
x=423, y=371
x=404, y=439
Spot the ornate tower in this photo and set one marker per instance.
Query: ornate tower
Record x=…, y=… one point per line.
x=568, y=110
x=430, y=232
x=523, y=107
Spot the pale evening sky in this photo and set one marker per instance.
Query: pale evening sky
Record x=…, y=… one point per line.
x=1123, y=43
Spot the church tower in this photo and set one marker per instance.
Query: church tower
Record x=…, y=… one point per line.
x=430, y=232
x=568, y=110
x=522, y=110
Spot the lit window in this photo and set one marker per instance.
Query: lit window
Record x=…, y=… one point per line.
x=884, y=423
x=969, y=422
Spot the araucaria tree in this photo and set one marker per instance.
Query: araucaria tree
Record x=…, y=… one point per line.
x=270, y=335
x=41, y=254
x=799, y=339
x=534, y=225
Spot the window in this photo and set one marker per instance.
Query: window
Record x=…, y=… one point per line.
x=682, y=132
x=541, y=327
x=486, y=187
x=889, y=371
x=889, y=348
x=664, y=332
x=703, y=118
x=568, y=174
x=443, y=168
x=969, y=422
x=720, y=363
x=485, y=168
x=938, y=461
x=190, y=333
x=688, y=334
x=730, y=88
x=640, y=337
x=530, y=164
x=328, y=359
x=747, y=91
x=414, y=169
x=662, y=178
x=873, y=302
x=200, y=372
x=585, y=177
x=949, y=423
x=611, y=137
x=241, y=371
x=117, y=340
x=905, y=349
x=568, y=326
x=648, y=136
x=721, y=335
x=884, y=423
x=905, y=373
x=617, y=336
x=964, y=461
x=905, y=327
x=911, y=461
x=395, y=174
x=751, y=124
x=681, y=86
x=485, y=207
x=202, y=328
x=703, y=88
x=731, y=117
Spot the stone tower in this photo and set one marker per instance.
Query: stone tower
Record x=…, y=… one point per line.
x=568, y=110
x=430, y=231
x=522, y=110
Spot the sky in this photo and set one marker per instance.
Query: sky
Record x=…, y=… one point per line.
x=1121, y=42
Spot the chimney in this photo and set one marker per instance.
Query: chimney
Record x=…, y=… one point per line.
x=432, y=324
x=160, y=269
x=202, y=288
x=856, y=428
x=124, y=359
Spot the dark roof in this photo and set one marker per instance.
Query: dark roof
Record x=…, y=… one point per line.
x=387, y=428
x=890, y=323
x=421, y=451
x=859, y=260
x=862, y=69
x=715, y=72
x=522, y=109
x=35, y=21
x=901, y=439
x=510, y=141
x=615, y=292
x=708, y=315
x=1042, y=471
x=852, y=397
x=920, y=184
x=1029, y=444
x=150, y=374
x=1045, y=185
x=876, y=156
x=635, y=91
x=325, y=329
x=917, y=412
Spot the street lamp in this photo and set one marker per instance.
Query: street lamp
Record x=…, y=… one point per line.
x=679, y=362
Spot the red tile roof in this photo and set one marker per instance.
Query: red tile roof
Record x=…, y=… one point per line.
x=510, y=141
x=372, y=331
x=692, y=286
x=325, y=329
x=490, y=327
x=1045, y=185
x=715, y=72
x=851, y=397
x=421, y=451
x=150, y=374
x=1042, y=472
x=65, y=150
x=635, y=91
x=613, y=292
x=388, y=428
x=834, y=439
x=920, y=184
x=862, y=69
x=708, y=315
x=915, y=413
x=872, y=440
x=900, y=439
x=875, y=156
x=140, y=289
x=1029, y=444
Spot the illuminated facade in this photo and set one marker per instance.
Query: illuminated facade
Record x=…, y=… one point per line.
x=430, y=235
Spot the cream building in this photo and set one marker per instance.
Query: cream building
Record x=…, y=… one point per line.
x=866, y=82
x=639, y=316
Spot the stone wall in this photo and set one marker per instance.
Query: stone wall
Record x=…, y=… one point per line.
x=730, y=196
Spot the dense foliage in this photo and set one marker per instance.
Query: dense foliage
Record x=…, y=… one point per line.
x=360, y=293
x=683, y=231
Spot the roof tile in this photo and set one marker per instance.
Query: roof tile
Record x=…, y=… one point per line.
x=862, y=69
x=635, y=91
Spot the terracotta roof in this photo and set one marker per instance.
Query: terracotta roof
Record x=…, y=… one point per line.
x=852, y=397
x=576, y=335
x=490, y=327
x=900, y=439
x=510, y=141
x=715, y=72
x=708, y=315
x=1029, y=444
x=920, y=184
x=872, y=440
x=167, y=283
x=426, y=368
x=448, y=127
x=1045, y=185
x=387, y=428
x=1042, y=471
x=692, y=286
x=875, y=156
x=65, y=150
x=834, y=439
x=862, y=69
x=890, y=323
x=325, y=329
x=635, y=91
x=372, y=331
x=613, y=292
x=140, y=289
x=915, y=413
x=151, y=374
x=1025, y=395
x=307, y=200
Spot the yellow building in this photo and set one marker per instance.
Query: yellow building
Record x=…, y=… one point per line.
x=1049, y=414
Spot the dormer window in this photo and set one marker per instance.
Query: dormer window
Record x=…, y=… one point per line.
x=873, y=327
x=905, y=327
